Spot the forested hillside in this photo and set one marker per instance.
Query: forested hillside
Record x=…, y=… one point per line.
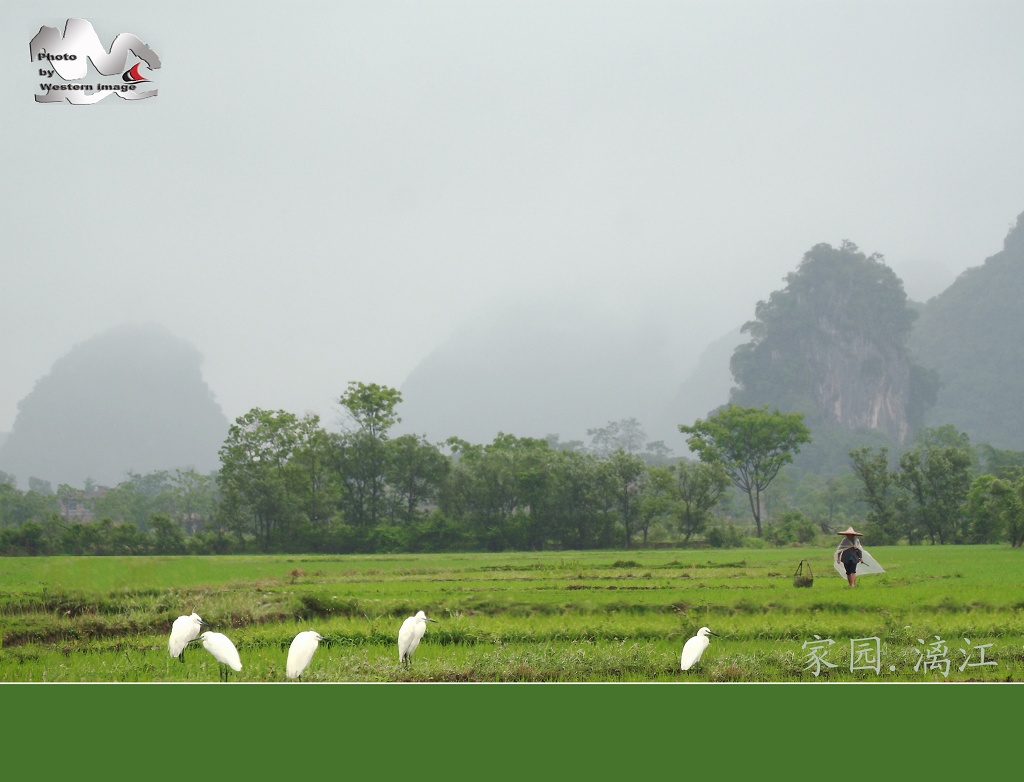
x=971, y=336
x=833, y=345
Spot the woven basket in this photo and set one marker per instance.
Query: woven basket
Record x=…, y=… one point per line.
x=803, y=578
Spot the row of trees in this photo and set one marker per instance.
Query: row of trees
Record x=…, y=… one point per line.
x=182, y=494
x=52, y=534
x=162, y=512
x=288, y=485
x=941, y=491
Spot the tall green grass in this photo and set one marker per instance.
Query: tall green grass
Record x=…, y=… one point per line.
x=551, y=616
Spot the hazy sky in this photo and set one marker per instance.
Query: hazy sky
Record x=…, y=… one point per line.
x=323, y=192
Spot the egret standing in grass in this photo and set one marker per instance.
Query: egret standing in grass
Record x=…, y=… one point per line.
x=184, y=630
x=409, y=636
x=694, y=648
x=301, y=652
x=220, y=646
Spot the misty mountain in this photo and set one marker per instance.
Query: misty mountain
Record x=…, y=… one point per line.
x=870, y=367
x=534, y=371
x=706, y=387
x=130, y=399
x=970, y=334
x=833, y=344
x=842, y=343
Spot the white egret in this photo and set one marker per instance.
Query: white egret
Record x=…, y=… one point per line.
x=220, y=646
x=301, y=652
x=184, y=630
x=409, y=636
x=694, y=648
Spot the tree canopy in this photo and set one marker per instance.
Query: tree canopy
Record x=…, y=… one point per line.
x=752, y=445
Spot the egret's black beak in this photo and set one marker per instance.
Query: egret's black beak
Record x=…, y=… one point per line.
x=432, y=620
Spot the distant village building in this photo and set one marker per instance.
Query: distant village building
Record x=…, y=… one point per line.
x=81, y=505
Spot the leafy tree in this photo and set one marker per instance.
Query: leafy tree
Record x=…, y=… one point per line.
x=360, y=454
x=167, y=535
x=752, y=445
x=67, y=495
x=626, y=435
x=789, y=528
x=26, y=540
x=581, y=492
x=999, y=462
x=656, y=502
x=138, y=498
x=993, y=510
x=18, y=507
x=555, y=444
x=879, y=492
x=1015, y=516
x=629, y=436
x=415, y=472
x=313, y=481
x=937, y=477
x=125, y=539
x=698, y=487
x=10, y=499
x=39, y=486
x=628, y=473
x=360, y=464
x=371, y=407
x=53, y=528
x=721, y=534
x=82, y=539
x=194, y=498
x=255, y=476
x=501, y=490
x=830, y=502
x=657, y=453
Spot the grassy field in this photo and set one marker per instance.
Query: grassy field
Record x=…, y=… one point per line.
x=938, y=614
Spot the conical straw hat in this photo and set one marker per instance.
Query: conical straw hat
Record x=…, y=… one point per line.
x=850, y=531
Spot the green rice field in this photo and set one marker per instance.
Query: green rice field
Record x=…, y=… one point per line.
x=938, y=614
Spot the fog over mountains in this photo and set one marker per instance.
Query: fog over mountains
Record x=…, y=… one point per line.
x=131, y=399
x=971, y=335
x=538, y=369
x=530, y=373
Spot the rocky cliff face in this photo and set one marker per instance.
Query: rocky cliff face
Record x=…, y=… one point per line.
x=862, y=385
x=833, y=345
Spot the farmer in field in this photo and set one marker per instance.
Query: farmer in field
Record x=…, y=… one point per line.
x=850, y=553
